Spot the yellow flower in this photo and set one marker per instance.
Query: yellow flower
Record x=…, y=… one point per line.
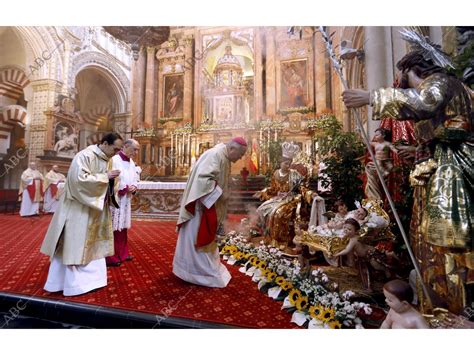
x=262, y=265
x=286, y=286
x=253, y=260
x=335, y=324
x=327, y=315
x=294, y=295
x=302, y=303
x=316, y=311
x=271, y=276
x=280, y=280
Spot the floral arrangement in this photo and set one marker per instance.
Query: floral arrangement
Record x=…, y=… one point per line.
x=311, y=297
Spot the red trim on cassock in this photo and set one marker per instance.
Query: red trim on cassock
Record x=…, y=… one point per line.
x=207, y=227
x=31, y=191
x=54, y=189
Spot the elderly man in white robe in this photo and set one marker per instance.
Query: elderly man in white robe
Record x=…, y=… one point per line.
x=80, y=234
x=127, y=186
x=203, y=209
x=51, y=190
x=31, y=191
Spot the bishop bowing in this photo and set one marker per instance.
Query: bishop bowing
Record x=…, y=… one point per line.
x=203, y=209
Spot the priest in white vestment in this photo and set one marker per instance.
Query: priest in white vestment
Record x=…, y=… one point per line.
x=203, y=209
x=31, y=191
x=51, y=190
x=80, y=234
x=127, y=186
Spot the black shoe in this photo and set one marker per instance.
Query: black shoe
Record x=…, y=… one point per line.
x=129, y=258
x=115, y=264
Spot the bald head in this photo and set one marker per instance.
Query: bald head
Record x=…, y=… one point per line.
x=131, y=148
x=33, y=165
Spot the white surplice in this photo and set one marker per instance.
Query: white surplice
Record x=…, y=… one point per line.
x=122, y=216
x=196, y=265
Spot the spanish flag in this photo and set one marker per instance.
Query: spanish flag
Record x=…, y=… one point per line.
x=254, y=158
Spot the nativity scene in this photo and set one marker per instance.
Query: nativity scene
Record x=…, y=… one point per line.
x=284, y=177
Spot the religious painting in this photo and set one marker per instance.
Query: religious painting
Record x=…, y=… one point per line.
x=173, y=96
x=224, y=107
x=293, y=84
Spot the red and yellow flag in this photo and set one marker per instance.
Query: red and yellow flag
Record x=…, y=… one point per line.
x=254, y=157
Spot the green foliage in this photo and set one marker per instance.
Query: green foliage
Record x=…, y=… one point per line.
x=275, y=153
x=464, y=59
x=341, y=152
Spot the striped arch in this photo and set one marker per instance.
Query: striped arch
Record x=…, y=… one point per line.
x=97, y=115
x=13, y=115
x=95, y=138
x=12, y=82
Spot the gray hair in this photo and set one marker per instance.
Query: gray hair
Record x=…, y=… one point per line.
x=130, y=142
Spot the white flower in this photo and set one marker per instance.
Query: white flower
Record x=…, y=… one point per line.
x=367, y=309
x=348, y=294
x=325, y=278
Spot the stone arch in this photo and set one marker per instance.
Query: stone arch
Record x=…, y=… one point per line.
x=12, y=115
x=43, y=52
x=112, y=71
x=12, y=82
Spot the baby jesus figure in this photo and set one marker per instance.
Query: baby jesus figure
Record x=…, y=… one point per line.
x=402, y=315
x=361, y=254
x=382, y=148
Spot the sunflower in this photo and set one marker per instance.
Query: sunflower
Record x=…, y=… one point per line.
x=302, y=303
x=294, y=295
x=253, y=260
x=316, y=311
x=327, y=315
x=280, y=280
x=238, y=255
x=265, y=272
x=262, y=265
x=286, y=286
x=335, y=324
x=271, y=276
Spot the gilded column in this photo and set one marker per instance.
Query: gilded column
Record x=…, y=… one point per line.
x=138, y=90
x=150, y=87
x=188, y=81
x=270, y=73
x=258, y=76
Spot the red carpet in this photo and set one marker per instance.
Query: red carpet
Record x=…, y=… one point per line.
x=145, y=284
